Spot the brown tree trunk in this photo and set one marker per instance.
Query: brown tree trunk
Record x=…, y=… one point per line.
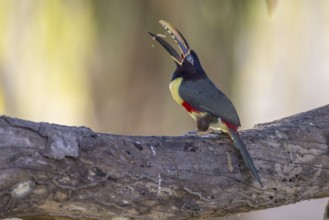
x=57, y=172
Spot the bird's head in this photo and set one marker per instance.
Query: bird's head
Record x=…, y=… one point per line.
x=187, y=61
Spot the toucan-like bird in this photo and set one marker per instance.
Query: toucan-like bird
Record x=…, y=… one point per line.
x=191, y=88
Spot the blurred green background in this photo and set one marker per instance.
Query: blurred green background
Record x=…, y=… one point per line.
x=92, y=63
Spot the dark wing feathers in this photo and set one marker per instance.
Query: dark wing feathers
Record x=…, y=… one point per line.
x=204, y=96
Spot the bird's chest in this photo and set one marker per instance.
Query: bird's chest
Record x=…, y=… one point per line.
x=174, y=89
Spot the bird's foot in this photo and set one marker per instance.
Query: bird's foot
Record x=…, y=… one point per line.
x=211, y=134
x=204, y=134
x=215, y=133
x=193, y=133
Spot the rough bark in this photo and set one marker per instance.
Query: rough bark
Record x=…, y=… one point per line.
x=51, y=171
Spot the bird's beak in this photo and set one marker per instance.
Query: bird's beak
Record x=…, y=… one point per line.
x=173, y=53
x=177, y=36
x=179, y=39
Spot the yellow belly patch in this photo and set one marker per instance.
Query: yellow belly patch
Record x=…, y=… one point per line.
x=174, y=89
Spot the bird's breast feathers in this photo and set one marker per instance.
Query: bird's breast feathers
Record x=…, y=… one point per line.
x=174, y=89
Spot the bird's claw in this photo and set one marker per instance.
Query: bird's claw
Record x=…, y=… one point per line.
x=214, y=133
x=207, y=134
x=211, y=135
x=193, y=133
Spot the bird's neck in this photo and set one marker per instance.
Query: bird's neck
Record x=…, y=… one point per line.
x=193, y=76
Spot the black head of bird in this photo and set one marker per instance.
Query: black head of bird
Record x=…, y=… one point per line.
x=191, y=88
x=187, y=62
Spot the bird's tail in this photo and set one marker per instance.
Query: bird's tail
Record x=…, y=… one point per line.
x=245, y=155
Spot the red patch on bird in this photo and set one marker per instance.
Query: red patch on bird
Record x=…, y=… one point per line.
x=230, y=125
x=188, y=107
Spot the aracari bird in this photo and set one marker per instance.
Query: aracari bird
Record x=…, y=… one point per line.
x=206, y=104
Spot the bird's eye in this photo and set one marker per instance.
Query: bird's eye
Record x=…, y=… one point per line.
x=189, y=58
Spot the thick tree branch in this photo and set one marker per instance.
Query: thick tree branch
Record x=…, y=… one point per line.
x=50, y=170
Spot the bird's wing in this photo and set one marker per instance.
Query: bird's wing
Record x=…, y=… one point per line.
x=204, y=96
